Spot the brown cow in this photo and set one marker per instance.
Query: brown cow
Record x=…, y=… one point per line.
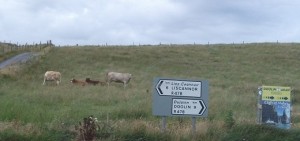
x=78, y=82
x=52, y=76
x=94, y=82
x=89, y=81
x=118, y=77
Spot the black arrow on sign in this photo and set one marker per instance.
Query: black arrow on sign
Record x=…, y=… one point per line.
x=203, y=107
x=285, y=98
x=160, y=83
x=272, y=97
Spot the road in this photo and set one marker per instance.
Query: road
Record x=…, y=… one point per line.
x=21, y=58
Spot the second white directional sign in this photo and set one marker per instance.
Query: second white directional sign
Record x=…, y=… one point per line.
x=188, y=107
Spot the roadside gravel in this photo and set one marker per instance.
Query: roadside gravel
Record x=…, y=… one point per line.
x=21, y=58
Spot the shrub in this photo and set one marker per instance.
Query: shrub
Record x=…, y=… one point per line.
x=229, y=120
x=91, y=129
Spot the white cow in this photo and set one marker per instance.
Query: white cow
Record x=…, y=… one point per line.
x=52, y=76
x=118, y=77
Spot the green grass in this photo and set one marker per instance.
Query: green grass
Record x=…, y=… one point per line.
x=234, y=73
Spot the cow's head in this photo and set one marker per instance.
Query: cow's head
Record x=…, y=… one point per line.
x=72, y=80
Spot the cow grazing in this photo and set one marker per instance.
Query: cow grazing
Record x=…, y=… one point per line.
x=78, y=82
x=89, y=81
x=52, y=76
x=118, y=77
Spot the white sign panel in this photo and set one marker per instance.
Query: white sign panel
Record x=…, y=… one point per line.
x=188, y=107
x=179, y=88
x=180, y=97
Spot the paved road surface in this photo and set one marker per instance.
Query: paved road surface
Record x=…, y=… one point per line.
x=21, y=58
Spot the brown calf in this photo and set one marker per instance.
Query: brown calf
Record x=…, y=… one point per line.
x=89, y=81
x=94, y=82
x=78, y=82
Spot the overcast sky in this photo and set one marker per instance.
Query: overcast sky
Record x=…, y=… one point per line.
x=123, y=22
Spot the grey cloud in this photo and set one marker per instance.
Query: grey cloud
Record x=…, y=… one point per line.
x=148, y=21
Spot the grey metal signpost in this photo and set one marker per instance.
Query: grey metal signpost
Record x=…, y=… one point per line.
x=177, y=97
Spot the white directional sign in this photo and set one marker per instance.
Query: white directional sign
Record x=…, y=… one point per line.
x=179, y=88
x=188, y=107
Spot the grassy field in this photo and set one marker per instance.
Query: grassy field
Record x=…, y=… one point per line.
x=31, y=111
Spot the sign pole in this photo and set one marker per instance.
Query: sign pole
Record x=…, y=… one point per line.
x=163, y=123
x=259, y=106
x=193, y=125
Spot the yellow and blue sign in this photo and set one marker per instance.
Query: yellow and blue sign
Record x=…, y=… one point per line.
x=276, y=93
x=276, y=106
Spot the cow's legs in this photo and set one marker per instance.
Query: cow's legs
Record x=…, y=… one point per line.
x=107, y=83
x=44, y=81
x=124, y=85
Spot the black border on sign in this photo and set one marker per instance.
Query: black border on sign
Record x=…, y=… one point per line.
x=156, y=88
x=189, y=114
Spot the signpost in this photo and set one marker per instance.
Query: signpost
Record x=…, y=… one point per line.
x=176, y=97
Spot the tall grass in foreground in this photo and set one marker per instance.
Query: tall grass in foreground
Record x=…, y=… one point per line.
x=234, y=73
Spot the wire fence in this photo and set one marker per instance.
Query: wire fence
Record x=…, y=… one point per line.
x=11, y=47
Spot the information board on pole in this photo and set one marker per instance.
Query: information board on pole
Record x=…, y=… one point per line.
x=275, y=106
x=178, y=97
